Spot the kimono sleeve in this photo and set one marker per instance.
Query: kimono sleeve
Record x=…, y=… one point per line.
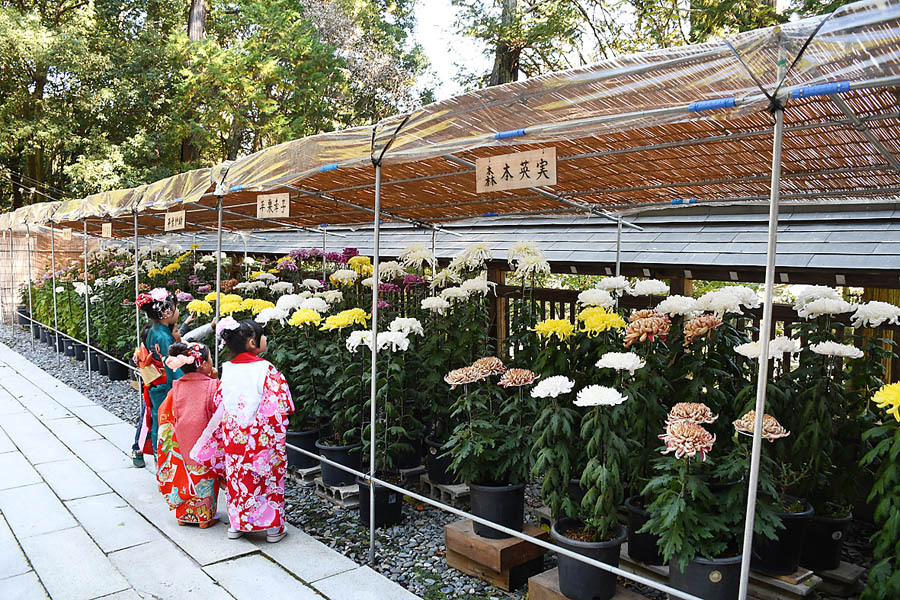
x=276, y=389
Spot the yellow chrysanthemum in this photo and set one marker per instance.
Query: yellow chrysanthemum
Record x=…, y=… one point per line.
x=305, y=316
x=361, y=264
x=169, y=269
x=284, y=258
x=561, y=328
x=256, y=274
x=211, y=297
x=199, y=307
x=154, y=273
x=195, y=246
x=273, y=271
x=254, y=305
x=345, y=318
x=889, y=397
x=229, y=307
x=596, y=320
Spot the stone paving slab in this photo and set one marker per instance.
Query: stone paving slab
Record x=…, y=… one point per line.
x=362, y=584
x=12, y=561
x=16, y=471
x=34, y=510
x=246, y=577
x=305, y=556
x=101, y=455
x=6, y=444
x=161, y=569
x=95, y=415
x=41, y=447
x=121, y=435
x=73, y=430
x=112, y=523
x=71, y=566
x=22, y=586
x=72, y=479
x=36, y=400
x=9, y=405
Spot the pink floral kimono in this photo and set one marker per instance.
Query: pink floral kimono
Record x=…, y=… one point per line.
x=245, y=441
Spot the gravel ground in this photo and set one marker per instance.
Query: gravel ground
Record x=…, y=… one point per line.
x=411, y=553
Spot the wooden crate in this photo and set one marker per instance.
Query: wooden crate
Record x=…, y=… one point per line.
x=545, y=586
x=508, y=580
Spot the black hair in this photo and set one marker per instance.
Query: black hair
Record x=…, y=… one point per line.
x=156, y=309
x=238, y=338
x=179, y=348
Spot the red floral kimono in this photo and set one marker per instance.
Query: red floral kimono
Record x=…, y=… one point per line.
x=245, y=441
x=190, y=489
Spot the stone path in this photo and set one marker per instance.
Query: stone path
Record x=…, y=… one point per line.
x=78, y=522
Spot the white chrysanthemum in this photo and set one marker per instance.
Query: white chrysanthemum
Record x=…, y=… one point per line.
x=317, y=304
x=266, y=277
x=208, y=258
x=874, y=314
x=272, y=314
x=416, y=256
x=344, y=276
x=306, y=294
x=435, y=304
x=836, y=349
x=60, y=289
x=748, y=296
x=249, y=261
x=359, y=337
x=621, y=361
x=719, y=302
x=99, y=282
x=677, y=305
x=598, y=395
x=444, y=278
x=478, y=285
x=532, y=264
x=777, y=347
x=809, y=293
x=289, y=302
x=312, y=284
x=596, y=297
x=473, y=256
x=389, y=270
x=250, y=286
x=199, y=266
x=552, y=387
x=282, y=287
x=396, y=340
x=616, y=284
x=649, y=287
x=452, y=293
x=750, y=349
x=824, y=306
x=80, y=287
x=520, y=249
x=368, y=282
x=149, y=265
x=331, y=296
x=407, y=325
x=95, y=299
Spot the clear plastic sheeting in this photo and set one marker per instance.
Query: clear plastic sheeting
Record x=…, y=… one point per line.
x=183, y=188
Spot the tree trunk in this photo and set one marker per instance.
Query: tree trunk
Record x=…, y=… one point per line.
x=506, y=59
x=196, y=32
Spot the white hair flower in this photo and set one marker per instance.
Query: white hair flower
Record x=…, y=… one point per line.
x=598, y=395
x=748, y=296
x=777, y=347
x=552, y=387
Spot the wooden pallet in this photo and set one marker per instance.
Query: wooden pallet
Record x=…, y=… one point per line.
x=505, y=563
x=843, y=581
x=304, y=477
x=545, y=586
x=455, y=495
x=343, y=496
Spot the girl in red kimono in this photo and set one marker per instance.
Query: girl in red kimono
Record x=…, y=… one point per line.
x=246, y=437
x=190, y=489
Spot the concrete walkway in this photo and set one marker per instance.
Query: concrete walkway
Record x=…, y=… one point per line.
x=78, y=522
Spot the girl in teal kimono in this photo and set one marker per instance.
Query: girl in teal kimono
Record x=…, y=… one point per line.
x=160, y=307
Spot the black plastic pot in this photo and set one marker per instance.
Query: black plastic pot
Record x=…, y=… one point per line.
x=716, y=579
x=102, y=364
x=576, y=493
x=61, y=342
x=94, y=362
x=438, y=467
x=69, y=349
x=39, y=333
x=22, y=314
x=782, y=556
x=642, y=547
x=412, y=458
x=305, y=440
x=577, y=580
x=349, y=456
x=116, y=371
x=824, y=543
x=501, y=504
x=79, y=351
x=388, y=505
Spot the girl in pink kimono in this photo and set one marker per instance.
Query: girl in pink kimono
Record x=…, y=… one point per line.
x=246, y=437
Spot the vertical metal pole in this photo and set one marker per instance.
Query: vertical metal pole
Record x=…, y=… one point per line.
x=218, y=272
x=12, y=279
x=324, y=250
x=30, y=303
x=137, y=319
x=433, y=253
x=53, y=276
x=764, y=335
x=87, y=312
x=244, y=236
x=374, y=386
x=619, y=247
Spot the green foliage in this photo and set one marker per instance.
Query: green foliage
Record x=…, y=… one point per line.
x=884, y=577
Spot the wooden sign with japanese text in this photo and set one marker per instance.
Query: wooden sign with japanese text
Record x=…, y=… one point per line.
x=106, y=230
x=270, y=206
x=534, y=168
x=175, y=220
x=66, y=234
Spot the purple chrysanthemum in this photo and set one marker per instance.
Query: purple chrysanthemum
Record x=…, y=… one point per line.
x=204, y=288
x=287, y=264
x=335, y=257
x=350, y=253
x=388, y=288
x=410, y=280
x=184, y=297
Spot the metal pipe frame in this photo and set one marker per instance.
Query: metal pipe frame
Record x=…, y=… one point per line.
x=218, y=275
x=373, y=392
x=137, y=315
x=30, y=279
x=53, y=272
x=12, y=279
x=87, y=313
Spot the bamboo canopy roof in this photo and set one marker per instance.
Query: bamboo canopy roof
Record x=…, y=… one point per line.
x=672, y=126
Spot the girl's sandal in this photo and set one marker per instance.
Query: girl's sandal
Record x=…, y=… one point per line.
x=210, y=523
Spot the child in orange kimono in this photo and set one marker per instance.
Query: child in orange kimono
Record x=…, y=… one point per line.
x=190, y=489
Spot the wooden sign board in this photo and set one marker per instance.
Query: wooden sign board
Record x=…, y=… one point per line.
x=175, y=220
x=106, y=230
x=66, y=234
x=535, y=168
x=273, y=205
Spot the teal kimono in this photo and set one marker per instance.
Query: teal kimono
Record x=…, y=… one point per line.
x=159, y=338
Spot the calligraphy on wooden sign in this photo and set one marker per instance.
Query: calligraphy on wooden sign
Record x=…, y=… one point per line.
x=174, y=220
x=66, y=234
x=535, y=168
x=270, y=206
x=106, y=230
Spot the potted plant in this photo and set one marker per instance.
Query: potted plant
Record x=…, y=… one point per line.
x=598, y=533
